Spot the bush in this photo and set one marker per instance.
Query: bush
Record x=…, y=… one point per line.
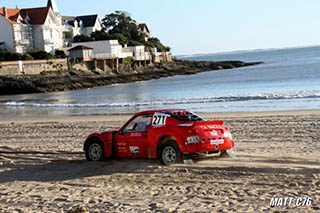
x=60, y=54
x=67, y=35
x=129, y=61
x=38, y=55
x=27, y=56
x=10, y=56
x=81, y=38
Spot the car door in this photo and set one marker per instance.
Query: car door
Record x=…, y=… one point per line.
x=133, y=140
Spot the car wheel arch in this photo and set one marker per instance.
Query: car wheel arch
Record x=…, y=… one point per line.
x=89, y=140
x=167, y=137
x=94, y=143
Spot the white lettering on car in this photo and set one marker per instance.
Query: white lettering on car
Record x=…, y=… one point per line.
x=159, y=119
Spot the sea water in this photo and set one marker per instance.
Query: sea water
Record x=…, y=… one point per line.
x=289, y=79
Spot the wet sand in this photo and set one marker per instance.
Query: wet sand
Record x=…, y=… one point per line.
x=42, y=168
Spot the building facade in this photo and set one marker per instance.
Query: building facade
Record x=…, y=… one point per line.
x=25, y=29
x=82, y=25
x=106, y=49
x=81, y=52
x=43, y=28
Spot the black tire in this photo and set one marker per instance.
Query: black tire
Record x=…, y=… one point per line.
x=94, y=150
x=169, y=153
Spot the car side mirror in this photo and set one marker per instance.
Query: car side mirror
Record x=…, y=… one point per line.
x=120, y=132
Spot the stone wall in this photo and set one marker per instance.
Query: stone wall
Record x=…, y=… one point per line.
x=34, y=67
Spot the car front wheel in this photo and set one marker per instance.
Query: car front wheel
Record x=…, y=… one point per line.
x=94, y=150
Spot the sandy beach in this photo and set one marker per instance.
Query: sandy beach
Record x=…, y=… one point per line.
x=43, y=168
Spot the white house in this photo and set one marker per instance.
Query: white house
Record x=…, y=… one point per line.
x=43, y=28
x=139, y=53
x=14, y=35
x=26, y=29
x=142, y=27
x=81, y=52
x=84, y=25
x=106, y=49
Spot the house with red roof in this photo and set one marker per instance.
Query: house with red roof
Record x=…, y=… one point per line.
x=29, y=28
x=44, y=28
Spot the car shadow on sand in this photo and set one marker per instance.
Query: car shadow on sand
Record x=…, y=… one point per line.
x=27, y=168
x=60, y=170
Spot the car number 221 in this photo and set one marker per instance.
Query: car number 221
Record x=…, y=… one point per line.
x=159, y=119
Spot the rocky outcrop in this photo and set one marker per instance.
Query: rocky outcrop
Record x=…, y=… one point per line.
x=70, y=80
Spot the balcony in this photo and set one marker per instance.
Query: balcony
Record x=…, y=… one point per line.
x=104, y=56
x=48, y=41
x=23, y=42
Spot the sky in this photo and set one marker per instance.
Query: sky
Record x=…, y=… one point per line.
x=209, y=26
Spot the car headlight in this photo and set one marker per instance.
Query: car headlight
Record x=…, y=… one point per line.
x=227, y=134
x=193, y=139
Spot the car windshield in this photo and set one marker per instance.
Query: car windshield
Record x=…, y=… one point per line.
x=184, y=116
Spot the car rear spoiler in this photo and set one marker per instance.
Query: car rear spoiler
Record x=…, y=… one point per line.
x=203, y=123
x=208, y=123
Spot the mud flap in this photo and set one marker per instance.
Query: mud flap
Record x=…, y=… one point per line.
x=187, y=159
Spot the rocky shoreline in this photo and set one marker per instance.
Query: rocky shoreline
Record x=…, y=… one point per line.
x=78, y=79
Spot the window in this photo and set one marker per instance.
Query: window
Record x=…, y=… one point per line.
x=184, y=116
x=138, y=124
x=25, y=36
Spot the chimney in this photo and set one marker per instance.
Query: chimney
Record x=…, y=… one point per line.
x=5, y=12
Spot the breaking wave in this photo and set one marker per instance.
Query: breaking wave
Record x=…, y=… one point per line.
x=235, y=98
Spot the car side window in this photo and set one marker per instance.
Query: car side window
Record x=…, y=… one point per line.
x=138, y=124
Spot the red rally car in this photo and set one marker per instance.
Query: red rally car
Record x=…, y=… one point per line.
x=166, y=134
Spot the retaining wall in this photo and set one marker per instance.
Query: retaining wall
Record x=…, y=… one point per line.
x=33, y=67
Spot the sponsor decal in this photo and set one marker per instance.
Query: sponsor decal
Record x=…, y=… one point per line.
x=290, y=201
x=122, y=144
x=210, y=126
x=122, y=149
x=214, y=132
x=134, y=150
x=159, y=119
x=135, y=134
x=219, y=141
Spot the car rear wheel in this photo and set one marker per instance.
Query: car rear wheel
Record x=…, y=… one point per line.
x=94, y=150
x=169, y=153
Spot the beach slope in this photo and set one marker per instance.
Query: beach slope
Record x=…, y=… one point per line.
x=42, y=168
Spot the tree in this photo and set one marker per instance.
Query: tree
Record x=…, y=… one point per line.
x=119, y=25
x=155, y=42
x=117, y=18
x=120, y=37
x=120, y=22
x=81, y=38
x=99, y=35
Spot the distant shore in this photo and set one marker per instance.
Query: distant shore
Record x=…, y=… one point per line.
x=78, y=79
